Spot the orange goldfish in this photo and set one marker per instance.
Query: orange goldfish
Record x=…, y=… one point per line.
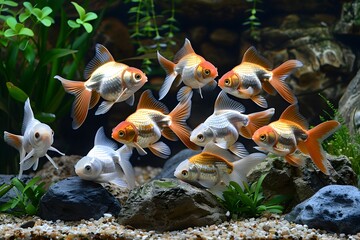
x=215, y=167
x=194, y=71
x=253, y=74
x=113, y=81
x=290, y=133
x=152, y=120
x=227, y=122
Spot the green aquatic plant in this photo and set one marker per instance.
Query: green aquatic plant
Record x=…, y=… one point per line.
x=27, y=198
x=152, y=31
x=342, y=142
x=253, y=21
x=30, y=58
x=250, y=201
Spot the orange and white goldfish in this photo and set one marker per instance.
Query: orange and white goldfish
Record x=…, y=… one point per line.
x=152, y=119
x=193, y=70
x=227, y=122
x=215, y=167
x=103, y=164
x=35, y=141
x=254, y=73
x=113, y=81
x=290, y=133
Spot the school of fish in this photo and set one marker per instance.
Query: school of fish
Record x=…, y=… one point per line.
x=223, y=158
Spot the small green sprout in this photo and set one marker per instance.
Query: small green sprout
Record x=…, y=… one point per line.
x=42, y=15
x=83, y=19
x=28, y=197
x=17, y=29
x=250, y=201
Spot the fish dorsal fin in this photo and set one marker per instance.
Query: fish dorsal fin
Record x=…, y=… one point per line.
x=101, y=139
x=102, y=56
x=252, y=56
x=223, y=102
x=28, y=115
x=211, y=147
x=291, y=113
x=185, y=50
x=147, y=101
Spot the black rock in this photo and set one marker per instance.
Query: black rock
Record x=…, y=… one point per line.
x=171, y=164
x=170, y=204
x=334, y=208
x=74, y=199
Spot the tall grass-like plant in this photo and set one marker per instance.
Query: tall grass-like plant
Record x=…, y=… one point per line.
x=253, y=21
x=33, y=51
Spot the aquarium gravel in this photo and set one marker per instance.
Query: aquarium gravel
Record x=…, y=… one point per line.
x=269, y=227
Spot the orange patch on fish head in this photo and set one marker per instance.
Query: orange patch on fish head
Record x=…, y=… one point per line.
x=125, y=132
x=229, y=80
x=206, y=70
x=134, y=76
x=265, y=137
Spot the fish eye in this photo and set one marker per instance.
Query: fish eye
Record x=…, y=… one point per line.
x=207, y=72
x=37, y=135
x=200, y=137
x=52, y=133
x=184, y=173
x=227, y=82
x=137, y=76
x=262, y=137
x=121, y=133
x=88, y=168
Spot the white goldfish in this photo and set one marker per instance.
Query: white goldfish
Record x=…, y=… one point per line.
x=152, y=119
x=215, y=167
x=194, y=71
x=254, y=73
x=103, y=164
x=35, y=141
x=227, y=122
x=113, y=81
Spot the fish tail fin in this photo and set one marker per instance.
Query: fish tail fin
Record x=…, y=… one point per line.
x=82, y=100
x=313, y=143
x=168, y=66
x=256, y=121
x=243, y=166
x=178, y=125
x=278, y=79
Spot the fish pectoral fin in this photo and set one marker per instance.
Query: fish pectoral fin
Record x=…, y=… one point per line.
x=13, y=140
x=130, y=101
x=121, y=94
x=28, y=163
x=128, y=170
x=206, y=183
x=261, y=149
x=294, y=160
x=278, y=79
x=29, y=155
x=36, y=164
x=102, y=56
x=259, y=100
x=218, y=189
x=184, y=93
x=239, y=150
x=160, y=149
x=140, y=150
x=119, y=182
x=104, y=107
x=52, y=161
x=210, y=86
x=55, y=150
x=200, y=92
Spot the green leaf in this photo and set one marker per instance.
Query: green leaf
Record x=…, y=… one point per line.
x=46, y=11
x=90, y=16
x=11, y=22
x=18, y=184
x=30, y=209
x=5, y=188
x=79, y=9
x=46, y=22
x=23, y=16
x=9, y=33
x=28, y=5
x=9, y=3
x=88, y=27
x=45, y=117
x=55, y=53
x=73, y=24
x=16, y=93
x=26, y=31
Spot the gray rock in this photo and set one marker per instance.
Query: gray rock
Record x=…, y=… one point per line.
x=74, y=199
x=349, y=105
x=170, y=204
x=334, y=208
x=349, y=20
x=171, y=164
x=301, y=182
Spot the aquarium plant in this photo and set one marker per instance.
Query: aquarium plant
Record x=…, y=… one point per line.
x=250, y=201
x=27, y=199
x=39, y=40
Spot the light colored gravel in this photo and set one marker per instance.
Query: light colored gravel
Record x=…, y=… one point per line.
x=270, y=227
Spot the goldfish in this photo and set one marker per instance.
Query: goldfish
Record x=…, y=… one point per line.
x=35, y=141
x=150, y=121
x=227, y=122
x=290, y=134
x=254, y=73
x=192, y=69
x=113, y=81
x=103, y=164
x=215, y=167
